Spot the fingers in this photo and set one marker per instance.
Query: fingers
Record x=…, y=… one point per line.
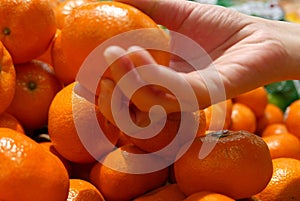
x=131, y=82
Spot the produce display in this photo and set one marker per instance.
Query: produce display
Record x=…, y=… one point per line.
x=57, y=145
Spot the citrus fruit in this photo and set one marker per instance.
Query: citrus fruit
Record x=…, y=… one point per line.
x=292, y=117
x=48, y=146
x=35, y=89
x=215, y=118
x=256, y=100
x=27, y=28
x=285, y=181
x=242, y=118
x=283, y=145
x=116, y=177
x=9, y=121
x=169, y=133
x=272, y=114
x=169, y=192
x=28, y=172
x=83, y=190
x=208, y=196
x=73, y=119
x=89, y=25
x=46, y=56
x=274, y=129
x=234, y=163
x=65, y=8
x=7, y=78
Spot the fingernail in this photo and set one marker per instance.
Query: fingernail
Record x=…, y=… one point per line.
x=112, y=53
x=134, y=48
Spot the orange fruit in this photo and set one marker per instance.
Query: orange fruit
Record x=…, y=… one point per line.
x=116, y=178
x=256, y=100
x=49, y=147
x=46, y=56
x=27, y=28
x=170, y=134
x=242, y=118
x=285, y=181
x=60, y=65
x=274, y=129
x=208, y=196
x=283, y=145
x=272, y=114
x=7, y=78
x=65, y=8
x=28, y=172
x=71, y=116
x=169, y=192
x=83, y=190
x=218, y=116
x=35, y=89
x=9, y=121
x=292, y=118
x=234, y=163
x=89, y=25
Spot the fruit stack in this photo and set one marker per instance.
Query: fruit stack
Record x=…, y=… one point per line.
x=56, y=144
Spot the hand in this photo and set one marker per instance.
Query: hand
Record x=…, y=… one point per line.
x=246, y=52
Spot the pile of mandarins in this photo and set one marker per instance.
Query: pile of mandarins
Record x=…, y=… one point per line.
x=43, y=153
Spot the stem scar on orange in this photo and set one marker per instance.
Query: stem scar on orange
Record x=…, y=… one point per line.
x=36, y=87
x=239, y=165
x=27, y=28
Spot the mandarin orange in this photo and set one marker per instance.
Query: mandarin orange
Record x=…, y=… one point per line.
x=120, y=175
x=48, y=146
x=274, y=129
x=169, y=192
x=27, y=28
x=28, y=172
x=256, y=100
x=91, y=24
x=208, y=196
x=285, y=181
x=7, y=120
x=234, y=163
x=7, y=78
x=81, y=190
x=35, y=90
x=292, y=118
x=65, y=8
x=218, y=116
x=283, y=145
x=272, y=114
x=242, y=118
x=78, y=130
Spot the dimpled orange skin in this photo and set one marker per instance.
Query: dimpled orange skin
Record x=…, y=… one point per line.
x=238, y=166
x=81, y=190
x=208, y=196
x=28, y=172
x=7, y=120
x=285, y=182
x=120, y=184
x=7, y=78
x=27, y=28
x=91, y=24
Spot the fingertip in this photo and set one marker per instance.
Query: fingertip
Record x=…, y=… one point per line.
x=112, y=53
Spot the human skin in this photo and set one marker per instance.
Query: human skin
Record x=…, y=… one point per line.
x=246, y=51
